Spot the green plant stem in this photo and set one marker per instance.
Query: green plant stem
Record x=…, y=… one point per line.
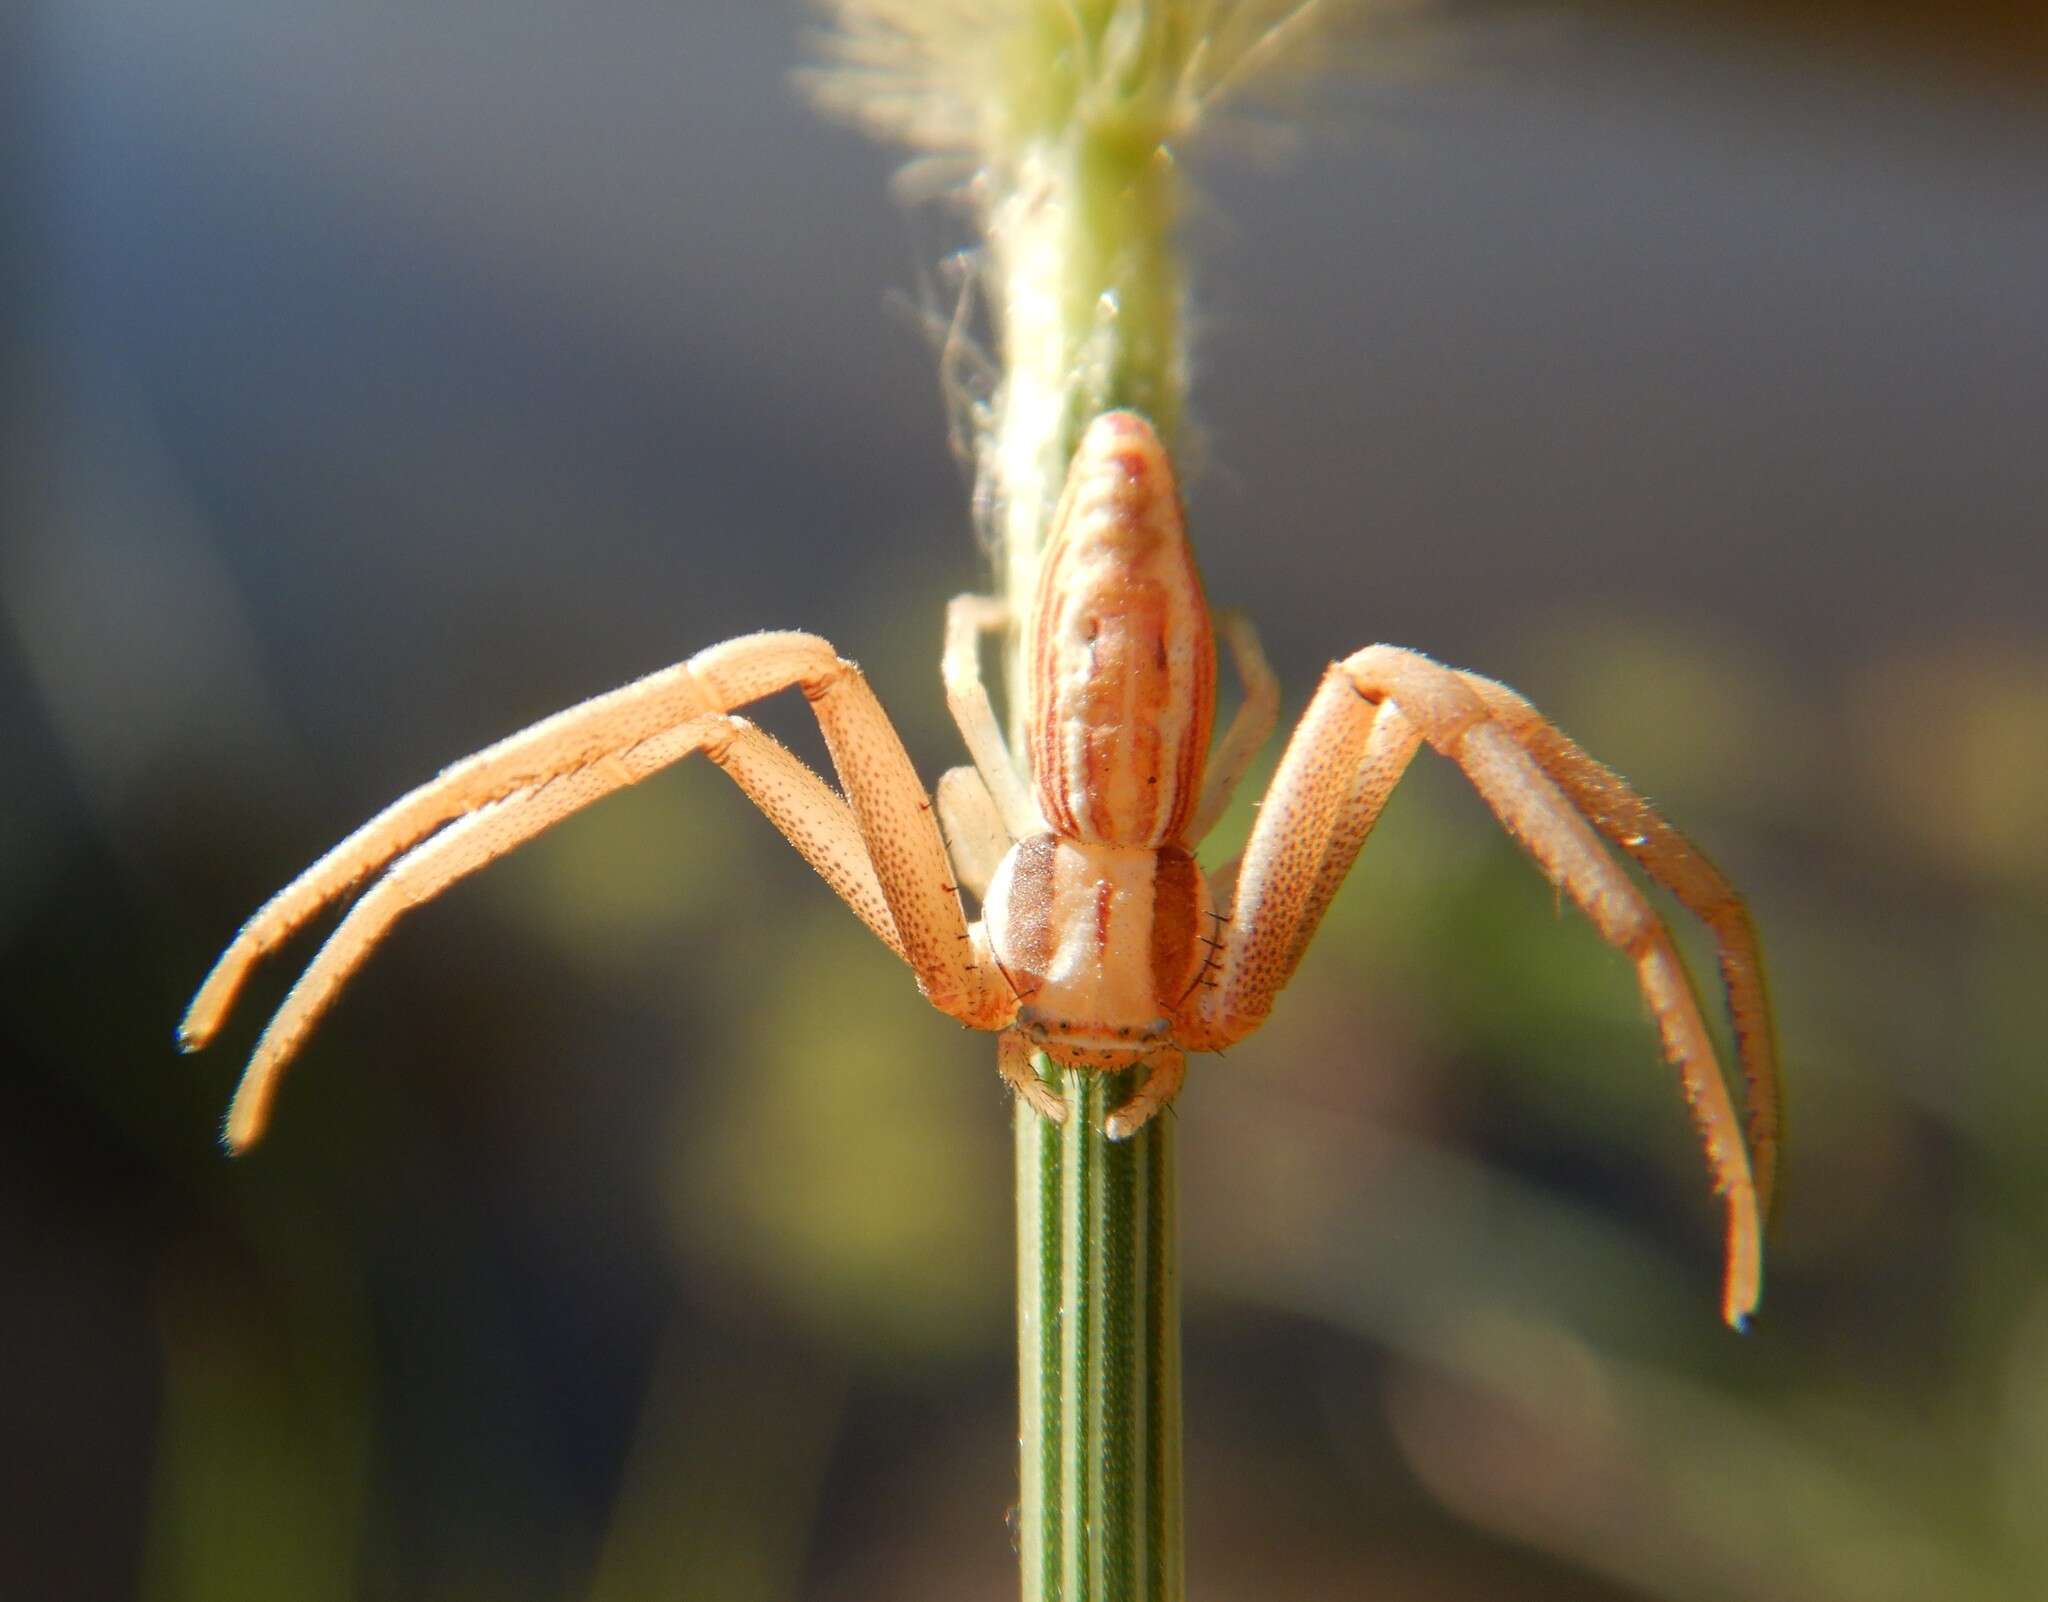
x=1098, y=1340
x=1087, y=290
x=1086, y=280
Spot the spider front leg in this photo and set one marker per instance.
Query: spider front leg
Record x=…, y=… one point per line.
x=414, y=879
x=1607, y=801
x=1333, y=780
x=585, y=734
x=1349, y=752
x=878, y=847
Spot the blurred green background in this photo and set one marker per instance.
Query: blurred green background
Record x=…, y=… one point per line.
x=379, y=378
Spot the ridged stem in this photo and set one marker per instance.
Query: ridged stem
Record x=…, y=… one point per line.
x=1087, y=293
x=1098, y=1342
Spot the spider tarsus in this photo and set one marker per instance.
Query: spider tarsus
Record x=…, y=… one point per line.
x=1049, y=1106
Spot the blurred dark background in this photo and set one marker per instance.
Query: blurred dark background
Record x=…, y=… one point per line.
x=379, y=378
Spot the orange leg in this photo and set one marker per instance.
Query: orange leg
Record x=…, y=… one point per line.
x=1607, y=801
x=878, y=846
x=1350, y=750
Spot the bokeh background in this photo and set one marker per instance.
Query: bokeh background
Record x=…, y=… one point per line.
x=379, y=378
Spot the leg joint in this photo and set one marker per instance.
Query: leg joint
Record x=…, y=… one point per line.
x=1637, y=931
x=817, y=686
x=718, y=739
x=1449, y=733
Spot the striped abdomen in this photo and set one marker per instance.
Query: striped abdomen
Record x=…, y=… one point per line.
x=1121, y=655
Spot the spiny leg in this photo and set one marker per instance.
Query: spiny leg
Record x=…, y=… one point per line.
x=811, y=815
x=968, y=617
x=1612, y=806
x=1250, y=728
x=879, y=847
x=1456, y=722
x=1277, y=877
x=1165, y=1072
x=896, y=822
x=415, y=878
x=1275, y=912
x=814, y=819
x=1312, y=821
x=716, y=680
x=420, y=873
x=1389, y=748
x=563, y=743
x=1013, y=1062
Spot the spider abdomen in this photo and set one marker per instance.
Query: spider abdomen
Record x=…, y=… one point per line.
x=1122, y=658
x=1102, y=943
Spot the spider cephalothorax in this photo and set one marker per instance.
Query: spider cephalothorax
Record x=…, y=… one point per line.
x=1101, y=943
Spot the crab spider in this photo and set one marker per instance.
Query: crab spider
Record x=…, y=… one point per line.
x=1101, y=943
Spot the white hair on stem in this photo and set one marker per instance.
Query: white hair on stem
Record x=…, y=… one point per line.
x=942, y=74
